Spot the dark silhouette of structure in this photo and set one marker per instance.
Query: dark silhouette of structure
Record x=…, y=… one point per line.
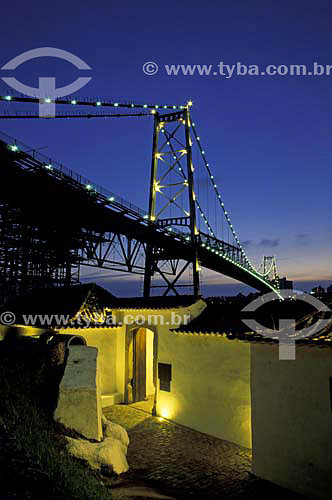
x=53, y=220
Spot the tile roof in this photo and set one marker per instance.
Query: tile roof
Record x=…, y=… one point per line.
x=224, y=321
x=219, y=320
x=88, y=299
x=65, y=302
x=322, y=337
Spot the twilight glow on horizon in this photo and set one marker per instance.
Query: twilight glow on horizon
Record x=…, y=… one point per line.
x=268, y=138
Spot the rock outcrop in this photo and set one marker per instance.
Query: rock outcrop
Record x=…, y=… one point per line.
x=110, y=453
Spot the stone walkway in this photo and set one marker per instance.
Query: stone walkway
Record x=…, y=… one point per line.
x=187, y=464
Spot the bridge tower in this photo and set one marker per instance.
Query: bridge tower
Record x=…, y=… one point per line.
x=172, y=204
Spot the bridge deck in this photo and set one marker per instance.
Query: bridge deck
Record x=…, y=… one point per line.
x=67, y=212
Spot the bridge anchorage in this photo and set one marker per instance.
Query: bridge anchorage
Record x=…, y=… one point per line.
x=186, y=227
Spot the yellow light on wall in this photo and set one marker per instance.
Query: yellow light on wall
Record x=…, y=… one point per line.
x=164, y=412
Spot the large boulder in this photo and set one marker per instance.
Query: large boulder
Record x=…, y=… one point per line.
x=79, y=403
x=115, y=431
x=109, y=453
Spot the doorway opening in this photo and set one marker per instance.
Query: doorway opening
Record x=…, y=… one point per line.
x=142, y=364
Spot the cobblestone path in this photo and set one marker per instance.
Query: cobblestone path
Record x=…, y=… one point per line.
x=186, y=464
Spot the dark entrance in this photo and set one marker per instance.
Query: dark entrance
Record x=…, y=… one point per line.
x=139, y=365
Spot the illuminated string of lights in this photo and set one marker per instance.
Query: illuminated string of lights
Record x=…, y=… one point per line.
x=213, y=247
x=221, y=203
x=205, y=218
x=77, y=115
x=205, y=244
x=86, y=101
x=55, y=169
x=272, y=267
x=219, y=197
x=152, y=109
x=162, y=129
x=202, y=214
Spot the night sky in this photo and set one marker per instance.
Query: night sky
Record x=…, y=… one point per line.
x=268, y=138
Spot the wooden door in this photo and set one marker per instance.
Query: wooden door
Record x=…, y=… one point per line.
x=139, y=371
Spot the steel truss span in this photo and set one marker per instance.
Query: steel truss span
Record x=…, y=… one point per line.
x=53, y=220
x=51, y=223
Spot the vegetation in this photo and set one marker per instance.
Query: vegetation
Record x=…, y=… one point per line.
x=34, y=462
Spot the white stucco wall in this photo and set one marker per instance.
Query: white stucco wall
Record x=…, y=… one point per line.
x=110, y=345
x=157, y=322
x=210, y=388
x=292, y=419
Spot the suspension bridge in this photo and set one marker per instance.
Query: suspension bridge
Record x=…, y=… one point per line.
x=53, y=220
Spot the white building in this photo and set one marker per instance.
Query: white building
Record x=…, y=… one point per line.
x=214, y=377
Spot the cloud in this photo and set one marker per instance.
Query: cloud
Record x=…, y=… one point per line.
x=246, y=243
x=269, y=243
x=302, y=239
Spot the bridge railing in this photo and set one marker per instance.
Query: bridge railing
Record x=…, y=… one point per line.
x=34, y=157
x=110, y=197
x=224, y=249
